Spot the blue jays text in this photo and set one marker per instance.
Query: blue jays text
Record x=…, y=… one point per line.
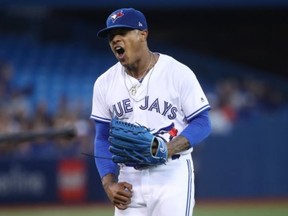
x=162, y=107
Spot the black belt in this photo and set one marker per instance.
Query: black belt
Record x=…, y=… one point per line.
x=174, y=157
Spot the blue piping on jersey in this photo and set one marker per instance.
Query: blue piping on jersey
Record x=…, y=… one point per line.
x=206, y=107
x=189, y=190
x=100, y=119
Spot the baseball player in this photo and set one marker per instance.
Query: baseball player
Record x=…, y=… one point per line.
x=152, y=89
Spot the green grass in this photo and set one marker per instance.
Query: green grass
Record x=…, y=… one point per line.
x=242, y=210
x=57, y=211
x=203, y=209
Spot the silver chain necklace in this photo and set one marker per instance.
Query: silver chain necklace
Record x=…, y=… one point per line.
x=133, y=90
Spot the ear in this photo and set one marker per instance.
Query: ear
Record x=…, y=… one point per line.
x=143, y=35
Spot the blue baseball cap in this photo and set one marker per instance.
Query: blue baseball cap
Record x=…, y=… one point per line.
x=124, y=18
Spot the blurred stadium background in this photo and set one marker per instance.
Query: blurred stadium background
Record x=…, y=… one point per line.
x=50, y=58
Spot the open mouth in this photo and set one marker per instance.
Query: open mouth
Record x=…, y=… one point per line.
x=120, y=51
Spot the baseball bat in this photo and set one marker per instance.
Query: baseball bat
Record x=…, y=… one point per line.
x=68, y=132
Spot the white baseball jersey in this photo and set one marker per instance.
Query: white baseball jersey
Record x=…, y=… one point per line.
x=168, y=97
x=169, y=94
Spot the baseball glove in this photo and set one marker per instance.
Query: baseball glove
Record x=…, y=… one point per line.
x=132, y=145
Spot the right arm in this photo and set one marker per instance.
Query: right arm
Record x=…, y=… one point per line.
x=119, y=193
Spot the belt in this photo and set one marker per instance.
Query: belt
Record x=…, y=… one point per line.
x=176, y=156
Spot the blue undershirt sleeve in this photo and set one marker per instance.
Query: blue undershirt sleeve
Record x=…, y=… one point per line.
x=198, y=128
x=101, y=148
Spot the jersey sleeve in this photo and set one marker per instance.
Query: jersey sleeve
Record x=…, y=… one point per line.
x=100, y=111
x=193, y=98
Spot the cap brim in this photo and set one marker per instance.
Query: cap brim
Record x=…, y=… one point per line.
x=103, y=33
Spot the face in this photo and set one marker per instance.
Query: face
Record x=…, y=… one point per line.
x=127, y=45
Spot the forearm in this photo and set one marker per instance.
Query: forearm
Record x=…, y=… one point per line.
x=101, y=148
x=178, y=144
x=197, y=130
x=107, y=180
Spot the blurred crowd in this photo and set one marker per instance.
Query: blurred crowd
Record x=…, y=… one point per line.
x=232, y=100
x=18, y=114
x=241, y=99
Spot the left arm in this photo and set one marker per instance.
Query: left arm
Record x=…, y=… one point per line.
x=196, y=131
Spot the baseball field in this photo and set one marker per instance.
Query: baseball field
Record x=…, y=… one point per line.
x=271, y=208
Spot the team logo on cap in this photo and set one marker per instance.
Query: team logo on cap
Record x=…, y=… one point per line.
x=117, y=15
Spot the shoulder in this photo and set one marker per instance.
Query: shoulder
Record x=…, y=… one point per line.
x=174, y=66
x=170, y=61
x=110, y=74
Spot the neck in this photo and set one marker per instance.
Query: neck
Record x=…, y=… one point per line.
x=139, y=73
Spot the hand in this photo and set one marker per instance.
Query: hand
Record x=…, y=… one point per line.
x=119, y=194
x=154, y=148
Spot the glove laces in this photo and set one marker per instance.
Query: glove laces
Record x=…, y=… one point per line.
x=133, y=127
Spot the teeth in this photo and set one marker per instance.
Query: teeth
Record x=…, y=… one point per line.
x=119, y=50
